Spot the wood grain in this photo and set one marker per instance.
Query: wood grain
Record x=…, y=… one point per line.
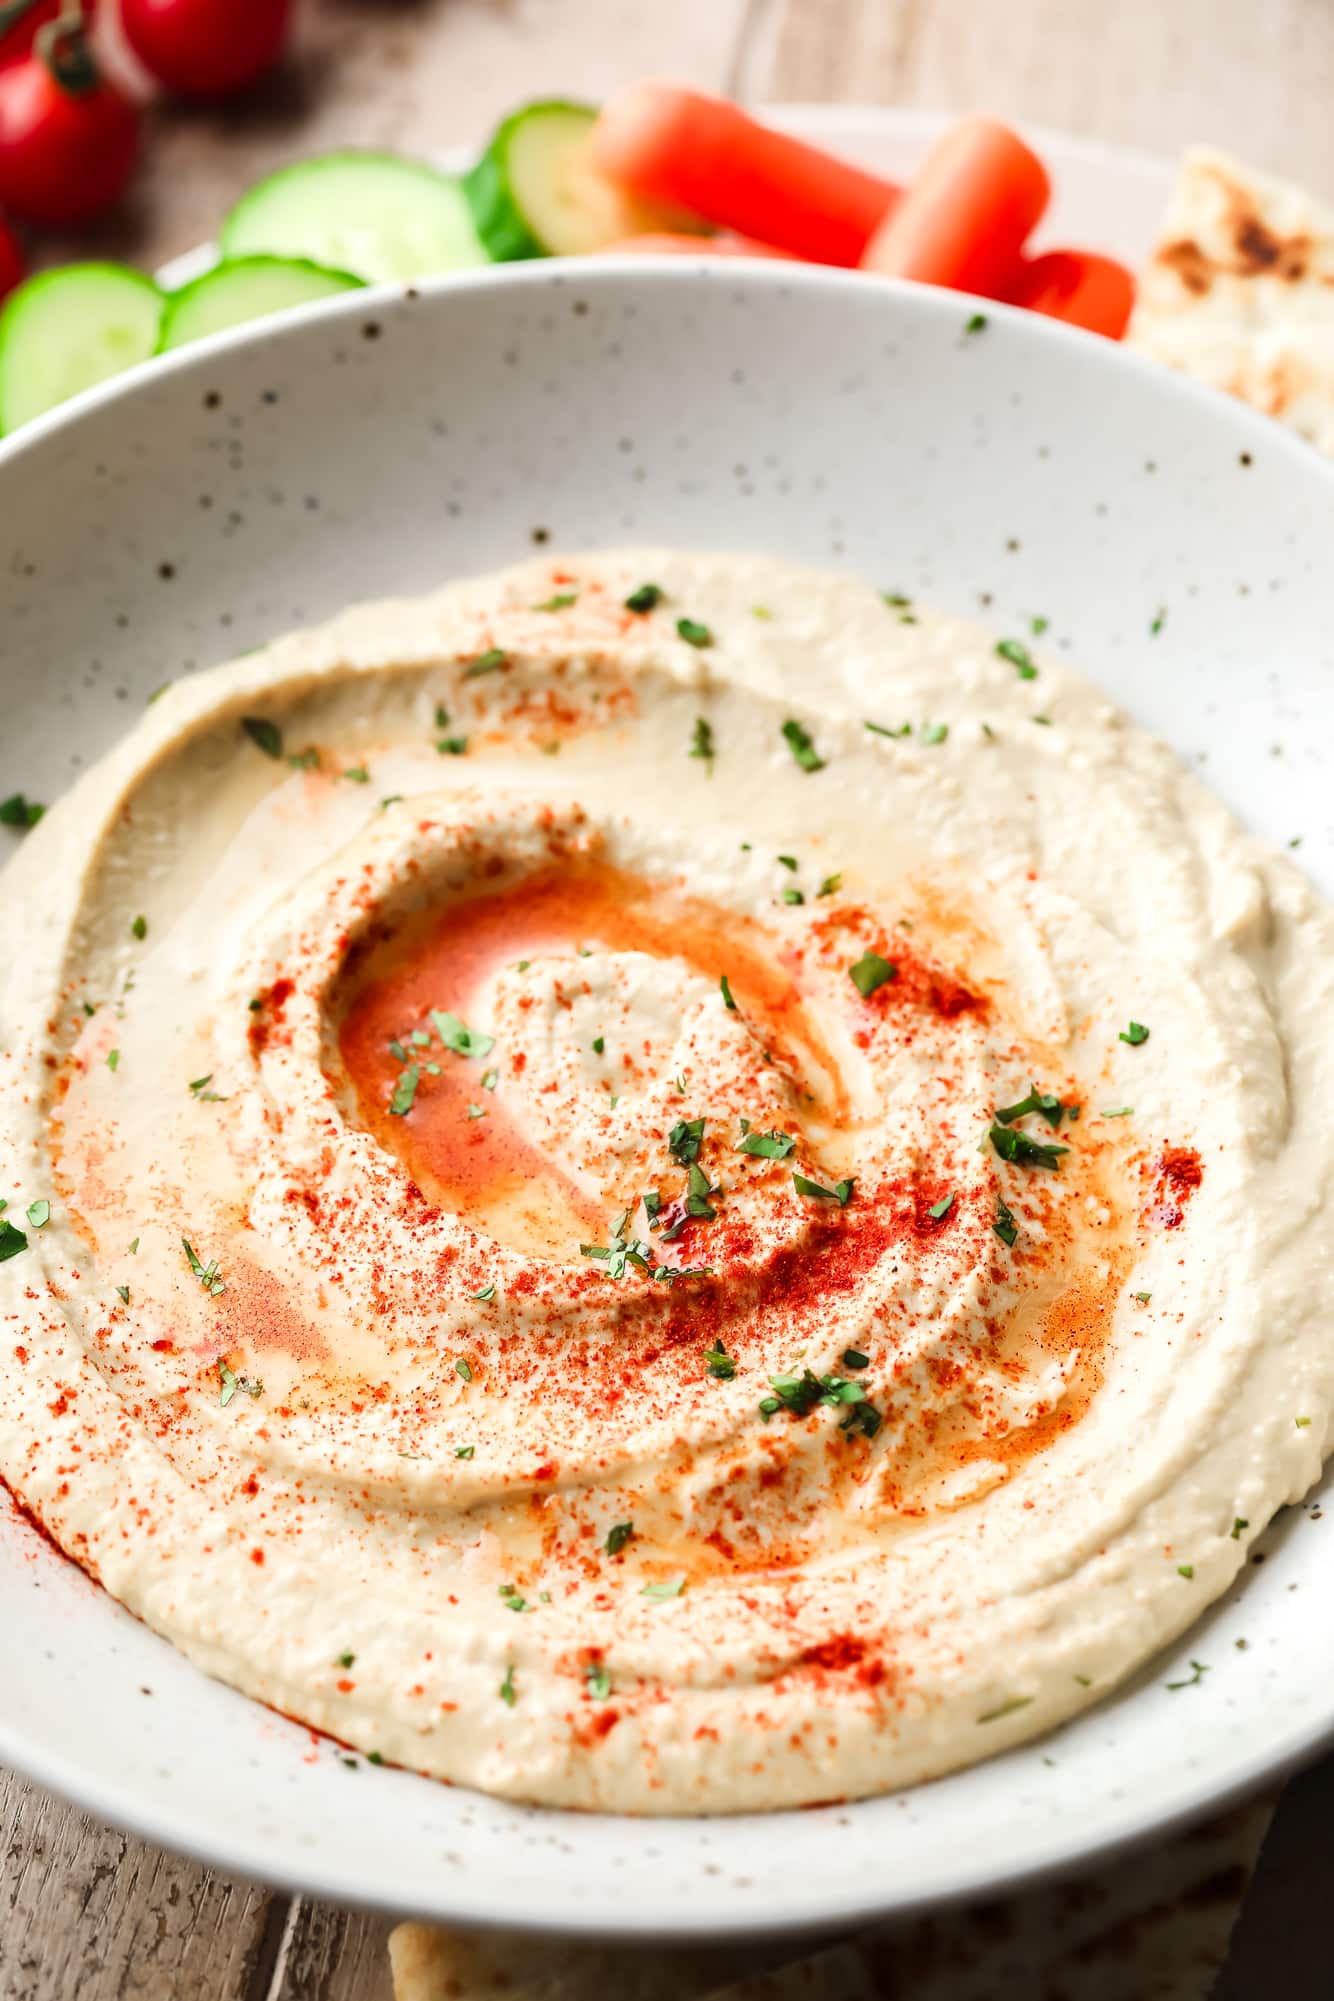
x=1148, y=73
x=83, y=1911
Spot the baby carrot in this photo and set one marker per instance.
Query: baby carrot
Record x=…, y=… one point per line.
x=964, y=221
x=1079, y=287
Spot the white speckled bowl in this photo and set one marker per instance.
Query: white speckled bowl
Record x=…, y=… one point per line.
x=381, y=443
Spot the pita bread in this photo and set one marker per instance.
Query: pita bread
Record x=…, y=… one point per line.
x=1240, y=291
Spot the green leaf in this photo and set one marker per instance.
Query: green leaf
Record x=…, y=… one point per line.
x=659, y=1592
x=975, y=324
x=452, y=746
x=12, y=1241
x=1022, y=1151
x=701, y=743
x=16, y=811
x=693, y=633
x=139, y=928
x=799, y=742
x=509, y=1695
x=39, y=1214
x=841, y=1192
x=405, y=1091
x=646, y=598
x=485, y=663
x=941, y=1208
x=719, y=1363
x=1135, y=1034
x=618, y=1535
x=871, y=972
x=1005, y=1226
x=1044, y=1102
x=463, y=1367
x=772, y=1145
x=597, y=1680
x=266, y=736
x=459, y=1038
x=684, y=1139
x=560, y=602
x=1019, y=658
x=726, y=992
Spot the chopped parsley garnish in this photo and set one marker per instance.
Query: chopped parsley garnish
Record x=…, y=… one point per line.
x=726, y=992
x=1239, y=1523
x=208, y=1274
x=658, y=1592
x=559, y=602
x=441, y=716
x=229, y=1383
x=841, y=1192
x=391, y=800
x=1005, y=1226
x=1134, y=1034
x=698, y=1192
x=931, y=733
x=1186, y=1570
x=485, y=663
x=1037, y=626
x=1005, y=1708
x=801, y=1393
x=490, y=1078
x=16, y=811
x=789, y=861
x=701, y=743
x=1142, y=1297
x=514, y=1599
x=124, y=1292
x=652, y=1204
x=618, y=1535
x=39, y=1214
x=463, y=1367
x=896, y=599
x=761, y=611
x=458, y=1037
x=1019, y=658
x=597, y=1680
x=940, y=1209
x=12, y=1241
x=405, y=1091
x=452, y=746
x=598, y=1044
x=113, y=1059
x=719, y=1363
x=266, y=736
x=139, y=928
x=975, y=324
x=794, y=896
x=345, y=1660
x=871, y=972
x=1156, y=624
x=1198, y=1670
x=1023, y=1151
x=830, y=886
x=1046, y=1103
x=883, y=729
x=199, y=1089
x=646, y=598
x=305, y=760
x=509, y=1695
x=693, y=633
x=487, y=1294
x=683, y=1140
x=772, y=1145
x=357, y=773
x=1118, y=1111
x=475, y=1112
x=853, y=1358
x=799, y=742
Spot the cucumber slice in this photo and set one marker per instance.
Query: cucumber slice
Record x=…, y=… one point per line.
x=386, y=219
x=536, y=193
x=68, y=329
x=249, y=288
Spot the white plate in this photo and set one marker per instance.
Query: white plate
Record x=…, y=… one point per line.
x=269, y=477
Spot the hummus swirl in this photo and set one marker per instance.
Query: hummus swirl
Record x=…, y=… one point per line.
x=656, y=1183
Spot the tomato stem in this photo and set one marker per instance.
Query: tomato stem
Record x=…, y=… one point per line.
x=64, y=47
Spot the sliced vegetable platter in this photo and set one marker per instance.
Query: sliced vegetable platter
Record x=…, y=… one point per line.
x=344, y=220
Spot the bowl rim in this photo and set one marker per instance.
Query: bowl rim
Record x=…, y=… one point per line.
x=256, y=1855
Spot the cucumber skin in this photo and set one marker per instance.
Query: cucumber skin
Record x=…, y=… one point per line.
x=498, y=218
x=21, y=298
x=175, y=302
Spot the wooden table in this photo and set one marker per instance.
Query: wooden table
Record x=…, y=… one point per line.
x=88, y=1913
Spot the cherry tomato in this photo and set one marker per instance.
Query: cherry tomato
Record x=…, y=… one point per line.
x=11, y=259
x=206, y=48
x=20, y=20
x=69, y=140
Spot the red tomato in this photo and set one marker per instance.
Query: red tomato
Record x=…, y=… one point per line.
x=11, y=259
x=205, y=48
x=20, y=20
x=68, y=139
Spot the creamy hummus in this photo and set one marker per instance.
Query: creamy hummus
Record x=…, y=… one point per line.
x=661, y=1183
